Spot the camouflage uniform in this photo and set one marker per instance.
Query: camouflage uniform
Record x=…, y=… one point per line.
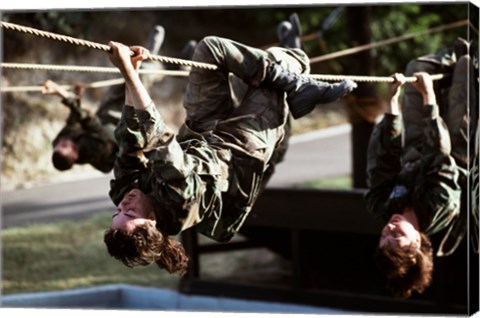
x=457, y=96
x=425, y=176
x=94, y=134
x=431, y=167
x=212, y=172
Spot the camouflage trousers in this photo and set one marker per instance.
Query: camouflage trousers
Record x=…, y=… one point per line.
x=235, y=106
x=458, y=108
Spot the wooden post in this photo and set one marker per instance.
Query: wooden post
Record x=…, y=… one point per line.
x=358, y=25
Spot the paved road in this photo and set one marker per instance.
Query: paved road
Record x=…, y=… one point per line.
x=311, y=156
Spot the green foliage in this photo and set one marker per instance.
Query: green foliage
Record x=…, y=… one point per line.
x=411, y=18
x=342, y=182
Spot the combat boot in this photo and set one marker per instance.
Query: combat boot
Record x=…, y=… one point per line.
x=155, y=39
x=290, y=32
x=187, y=52
x=154, y=44
x=461, y=47
x=303, y=92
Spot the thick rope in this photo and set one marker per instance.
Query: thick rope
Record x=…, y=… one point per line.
x=102, y=47
x=377, y=79
x=177, y=61
x=111, y=82
x=473, y=27
x=331, y=56
x=386, y=42
x=93, y=69
x=322, y=77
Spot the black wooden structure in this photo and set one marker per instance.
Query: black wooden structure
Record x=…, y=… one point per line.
x=329, y=239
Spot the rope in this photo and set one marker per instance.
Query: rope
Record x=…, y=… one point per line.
x=314, y=36
x=102, y=47
x=116, y=81
x=388, y=41
x=96, y=69
x=163, y=59
x=473, y=27
x=322, y=77
x=377, y=79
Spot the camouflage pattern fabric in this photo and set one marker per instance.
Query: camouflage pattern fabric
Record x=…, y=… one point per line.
x=211, y=173
x=457, y=96
x=94, y=134
x=443, y=181
x=425, y=176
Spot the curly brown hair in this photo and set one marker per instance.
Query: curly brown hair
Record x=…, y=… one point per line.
x=407, y=270
x=145, y=245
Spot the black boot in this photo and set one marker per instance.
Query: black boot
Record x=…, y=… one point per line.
x=187, y=52
x=461, y=47
x=154, y=44
x=303, y=92
x=290, y=32
x=155, y=39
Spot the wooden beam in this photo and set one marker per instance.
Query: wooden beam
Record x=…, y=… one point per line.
x=313, y=209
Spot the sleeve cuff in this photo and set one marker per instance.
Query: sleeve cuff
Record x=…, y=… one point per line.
x=129, y=116
x=148, y=113
x=391, y=118
x=430, y=111
x=129, y=112
x=393, y=123
x=71, y=101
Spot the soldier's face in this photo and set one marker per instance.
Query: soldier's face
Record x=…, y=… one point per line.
x=134, y=209
x=399, y=233
x=67, y=148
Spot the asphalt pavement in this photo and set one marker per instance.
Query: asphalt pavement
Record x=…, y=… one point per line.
x=320, y=154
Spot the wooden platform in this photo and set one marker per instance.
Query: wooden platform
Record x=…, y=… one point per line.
x=329, y=239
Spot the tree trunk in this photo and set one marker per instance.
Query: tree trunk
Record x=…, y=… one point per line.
x=363, y=106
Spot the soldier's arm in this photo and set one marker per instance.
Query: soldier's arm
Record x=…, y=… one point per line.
x=383, y=164
x=69, y=99
x=52, y=88
x=180, y=179
x=440, y=190
x=187, y=181
x=384, y=153
x=73, y=102
x=130, y=160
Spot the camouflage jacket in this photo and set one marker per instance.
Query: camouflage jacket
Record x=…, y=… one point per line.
x=195, y=180
x=425, y=177
x=94, y=136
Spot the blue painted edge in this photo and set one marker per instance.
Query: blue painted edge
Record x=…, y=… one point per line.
x=123, y=296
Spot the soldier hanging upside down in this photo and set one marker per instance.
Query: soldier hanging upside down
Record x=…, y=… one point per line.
x=211, y=173
x=88, y=138
x=420, y=189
